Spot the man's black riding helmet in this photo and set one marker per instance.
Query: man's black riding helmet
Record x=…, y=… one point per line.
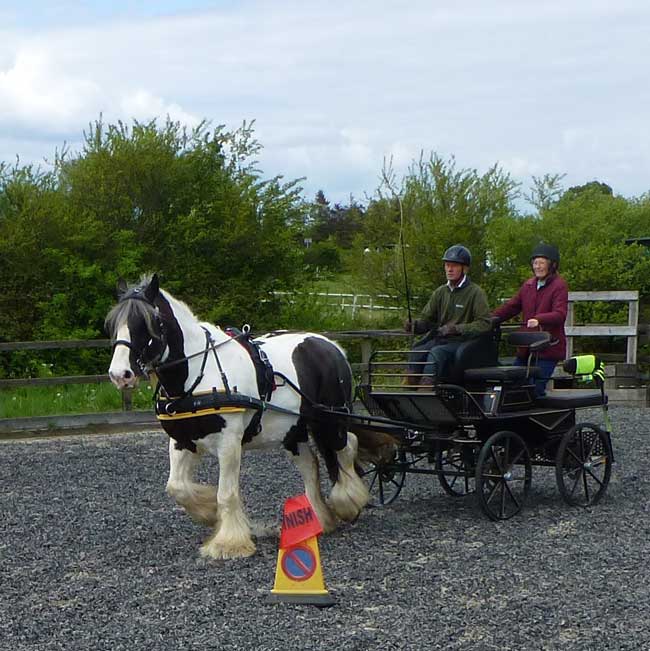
x=547, y=251
x=459, y=254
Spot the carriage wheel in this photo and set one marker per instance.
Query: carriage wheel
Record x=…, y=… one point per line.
x=503, y=475
x=385, y=480
x=583, y=464
x=455, y=470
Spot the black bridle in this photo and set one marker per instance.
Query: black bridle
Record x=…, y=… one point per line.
x=157, y=364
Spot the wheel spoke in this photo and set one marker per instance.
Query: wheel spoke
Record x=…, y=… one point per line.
x=585, y=484
x=504, y=486
x=516, y=459
x=497, y=463
x=591, y=447
x=492, y=492
x=513, y=497
x=591, y=474
x=394, y=482
x=576, y=481
x=575, y=456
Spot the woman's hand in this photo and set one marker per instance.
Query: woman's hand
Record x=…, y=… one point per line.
x=532, y=323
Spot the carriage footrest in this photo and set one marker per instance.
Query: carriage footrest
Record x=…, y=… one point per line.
x=570, y=399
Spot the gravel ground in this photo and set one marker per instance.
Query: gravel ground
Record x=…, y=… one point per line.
x=95, y=556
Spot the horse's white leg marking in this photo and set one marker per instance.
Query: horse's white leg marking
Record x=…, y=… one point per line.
x=232, y=537
x=308, y=466
x=199, y=500
x=349, y=494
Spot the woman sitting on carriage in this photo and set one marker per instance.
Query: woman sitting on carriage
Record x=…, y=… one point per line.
x=542, y=302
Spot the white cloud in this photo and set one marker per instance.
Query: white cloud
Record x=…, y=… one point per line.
x=337, y=87
x=34, y=93
x=142, y=105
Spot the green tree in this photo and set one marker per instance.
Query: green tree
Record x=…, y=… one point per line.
x=441, y=205
x=187, y=203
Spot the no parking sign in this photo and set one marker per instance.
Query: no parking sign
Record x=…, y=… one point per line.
x=298, y=574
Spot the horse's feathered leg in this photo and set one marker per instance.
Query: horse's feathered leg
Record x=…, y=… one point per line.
x=349, y=493
x=307, y=464
x=232, y=536
x=199, y=500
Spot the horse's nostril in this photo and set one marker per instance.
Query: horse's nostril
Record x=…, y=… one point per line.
x=127, y=374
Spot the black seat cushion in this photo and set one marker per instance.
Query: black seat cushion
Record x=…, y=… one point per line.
x=476, y=352
x=501, y=374
x=570, y=399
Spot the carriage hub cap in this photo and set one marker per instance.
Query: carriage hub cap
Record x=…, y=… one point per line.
x=507, y=475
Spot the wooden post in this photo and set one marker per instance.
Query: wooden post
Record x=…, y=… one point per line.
x=127, y=399
x=570, y=316
x=366, y=352
x=633, y=320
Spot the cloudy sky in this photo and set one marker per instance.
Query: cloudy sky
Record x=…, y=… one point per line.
x=335, y=87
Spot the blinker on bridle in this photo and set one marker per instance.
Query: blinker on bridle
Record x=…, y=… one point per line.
x=144, y=366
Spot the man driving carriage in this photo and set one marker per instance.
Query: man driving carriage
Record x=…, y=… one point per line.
x=456, y=311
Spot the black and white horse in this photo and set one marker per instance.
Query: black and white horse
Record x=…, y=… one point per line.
x=156, y=333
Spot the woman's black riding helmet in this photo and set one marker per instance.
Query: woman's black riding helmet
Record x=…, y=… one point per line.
x=548, y=251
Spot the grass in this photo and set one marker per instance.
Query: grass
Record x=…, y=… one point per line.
x=69, y=399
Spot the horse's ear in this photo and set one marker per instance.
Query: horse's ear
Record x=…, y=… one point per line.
x=121, y=288
x=151, y=292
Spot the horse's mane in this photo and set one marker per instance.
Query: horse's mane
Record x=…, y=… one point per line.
x=133, y=304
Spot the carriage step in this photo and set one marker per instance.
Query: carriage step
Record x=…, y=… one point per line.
x=570, y=399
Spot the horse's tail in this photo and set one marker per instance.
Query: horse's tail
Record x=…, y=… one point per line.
x=374, y=446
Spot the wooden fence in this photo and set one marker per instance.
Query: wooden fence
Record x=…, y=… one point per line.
x=630, y=331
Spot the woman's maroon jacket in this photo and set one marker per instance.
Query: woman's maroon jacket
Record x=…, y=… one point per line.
x=548, y=305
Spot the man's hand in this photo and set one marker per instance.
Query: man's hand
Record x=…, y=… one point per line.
x=532, y=323
x=408, y=325
x=448, y=330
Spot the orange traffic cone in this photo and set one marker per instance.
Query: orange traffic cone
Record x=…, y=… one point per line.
x=298, y=573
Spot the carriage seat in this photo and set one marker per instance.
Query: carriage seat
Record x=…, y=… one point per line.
x=501, y=374
x=478, y=351
x=533, y=342
x=570, y=399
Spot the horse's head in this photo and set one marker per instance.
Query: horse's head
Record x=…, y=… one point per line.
x=137, y=332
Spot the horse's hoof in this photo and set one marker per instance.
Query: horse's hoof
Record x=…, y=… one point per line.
x=215, y=552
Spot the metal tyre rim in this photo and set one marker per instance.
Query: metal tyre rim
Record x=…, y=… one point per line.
x=583, y=465
x=503, y=475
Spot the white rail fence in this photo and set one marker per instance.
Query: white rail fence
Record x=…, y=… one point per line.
x=352, y=302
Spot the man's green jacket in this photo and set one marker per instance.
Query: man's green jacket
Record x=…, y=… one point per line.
x=465, y=307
